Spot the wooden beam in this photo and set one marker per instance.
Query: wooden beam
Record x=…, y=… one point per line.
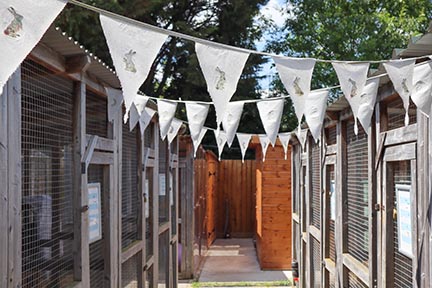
x=102, y=158
x=88, y=153
x=48, y=57
x=401, y=135
x=4, y=195
x=103, y=144
x=77, y=63
x=14, y=185
x=80, y=195
x=356, y=267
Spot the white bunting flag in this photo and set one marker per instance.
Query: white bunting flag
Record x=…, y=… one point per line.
x=22, y=24
x=196, y=114
x=352, y=78
x=265, y=142
x=301, y=136
x=231, y=120
x=222, y=69
x=166, y=112
x=115, y=100
x=244, y=140
x=284, y=138
x=315, y=110
x=422, y=88
x=137, y=108
x=271, y=115
x=145, y=118
x=174, y=129
x=296, y=75
x=400, y=73
x=221, y=140
x=196, y=142
x=366, y=104
x=133, y=50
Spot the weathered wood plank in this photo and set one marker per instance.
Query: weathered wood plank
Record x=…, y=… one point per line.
x=4, y=196
x=356, y=267
x=14, y=179
x=102, y=143
x=400, y=152
x=102, y=158
x=401, y=135
x=131, y=251
x=331, y=149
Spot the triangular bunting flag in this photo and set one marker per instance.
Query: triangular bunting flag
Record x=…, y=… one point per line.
x=137, y=108
x=166, y=111
x=115, y=100
x=284, y=138
x=366, y=103
x=174, y=129
x=244, y=140
x=222, y=69
x=296, y=75
x=197, y=142
x=145, y=118
x=422, y=88
x=315, y=109
x=352, y=78
x=231, y=120
x=221, y=140
x=301, y=136
x=133, y=50
x=265, y=142
x=271, y=115
x=22, y=24
x=400, y=73
x=196, y=114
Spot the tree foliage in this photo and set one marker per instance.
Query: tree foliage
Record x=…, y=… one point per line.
x=348, y=30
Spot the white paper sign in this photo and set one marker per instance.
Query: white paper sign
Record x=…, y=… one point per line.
x=162, y=184
x=333, y=200
x=404, y=219
x=95, y=212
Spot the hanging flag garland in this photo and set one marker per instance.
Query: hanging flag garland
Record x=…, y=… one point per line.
x=400, y=73
x=244, y=140
x=22, y=25
x=174, y=129
x=231, y=120
x=271, y=115
x=196, y=114
x=296, y=75
x=422, y=88
x=115, y=100
x=167, y=110
x=265, y=142
x=133, y=50
x=284, y=138
x=352, y=78
x=222, y=69
x=137, y=108
x=366, y=103
x=197, y=141
x=221, y=139
x=145, y=118
x=315, y=110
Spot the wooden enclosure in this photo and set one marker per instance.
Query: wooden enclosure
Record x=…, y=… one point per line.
x=235, y=202
x=273, y=207
x=86, y=201
x=350, y=192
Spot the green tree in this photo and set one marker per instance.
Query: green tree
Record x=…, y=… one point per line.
x=348, y=30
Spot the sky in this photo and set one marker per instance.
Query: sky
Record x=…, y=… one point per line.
x=277, y=11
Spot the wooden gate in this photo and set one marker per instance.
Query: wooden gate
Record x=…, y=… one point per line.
x=236, y=201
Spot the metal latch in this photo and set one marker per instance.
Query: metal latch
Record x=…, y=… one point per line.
x=85, y=208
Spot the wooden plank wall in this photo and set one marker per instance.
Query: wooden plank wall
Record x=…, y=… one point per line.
x=273, y=213
x=212, y=176
x=236, y=197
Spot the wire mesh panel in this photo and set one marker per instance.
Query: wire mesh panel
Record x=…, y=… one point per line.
x=295, y=183
x=331, y=214
x=97, y=261
x=357, y=194
x=149, y=211
x=149, y=278
x=163, y=182
x=130, y=191
x=96, y=113
x=315, y=263
x=130, y=273
x=149, y=136
x=297, y=241
x=330, y=134
x=354, y=281
x=332, y=282
x=315, y=191
x=47, y=168
x=164, y=260
x=402, y=264
x=396, y=114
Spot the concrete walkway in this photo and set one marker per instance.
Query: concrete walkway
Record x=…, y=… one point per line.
x=235, y=260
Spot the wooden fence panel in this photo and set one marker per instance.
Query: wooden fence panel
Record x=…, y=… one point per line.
x=235, y=214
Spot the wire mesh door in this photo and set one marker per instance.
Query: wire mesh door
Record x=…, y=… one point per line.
x=400, y=227
x=47, y=168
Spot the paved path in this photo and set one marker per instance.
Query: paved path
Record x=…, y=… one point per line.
x=235, y=260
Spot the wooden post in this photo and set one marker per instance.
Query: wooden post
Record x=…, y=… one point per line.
x=341, y=223
x=156, y=207
x=4, y=196
x=80, y=193
x=372, y=199
x=141, y=261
